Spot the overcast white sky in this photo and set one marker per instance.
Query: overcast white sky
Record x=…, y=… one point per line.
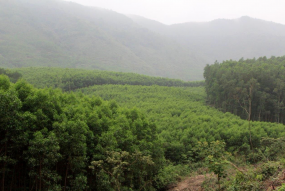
x=179, y=11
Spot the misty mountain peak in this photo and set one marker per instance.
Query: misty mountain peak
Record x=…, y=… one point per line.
x=63, y=34
x=245, y=18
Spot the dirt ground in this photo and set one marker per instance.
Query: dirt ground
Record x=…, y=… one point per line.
x=195, y=183
x=190, y=184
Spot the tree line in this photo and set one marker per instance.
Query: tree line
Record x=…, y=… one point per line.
x=252, y=89
x=72, y=79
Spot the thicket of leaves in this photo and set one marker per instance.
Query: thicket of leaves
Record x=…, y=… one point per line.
x=252, y=87
x=51, y=140
x=267, y=174
x=183, y=120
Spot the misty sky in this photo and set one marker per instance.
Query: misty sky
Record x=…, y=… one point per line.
x=179, y=11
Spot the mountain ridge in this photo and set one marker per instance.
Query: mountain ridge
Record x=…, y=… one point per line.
x=224, y=39
x=66, y=34
x=57, y=33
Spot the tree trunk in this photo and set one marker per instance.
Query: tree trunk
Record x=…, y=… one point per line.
x=40, y=175
x=249, y=116
x=4, y=168
x=219, y=182
x=11, y=185
x=66, y=173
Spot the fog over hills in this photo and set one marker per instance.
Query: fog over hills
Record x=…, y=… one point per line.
x=65, y=34
x=224, y=39
x=58, y=33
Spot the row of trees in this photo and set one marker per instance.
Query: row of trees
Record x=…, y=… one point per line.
x=51, y=140
x=72, y=79
x=253, y=89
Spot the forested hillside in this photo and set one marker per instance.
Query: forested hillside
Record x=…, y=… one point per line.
x=124, y=136
x=249, y=88
x=72, y=79
x=94, y=100
x=183, y=119
x=224, y=39
x=58, y=33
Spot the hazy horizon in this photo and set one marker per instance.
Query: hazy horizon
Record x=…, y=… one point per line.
x=181, y=11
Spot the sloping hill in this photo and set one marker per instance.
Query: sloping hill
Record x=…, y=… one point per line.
x=225, y=39
x=72, y=79
x=65, y=34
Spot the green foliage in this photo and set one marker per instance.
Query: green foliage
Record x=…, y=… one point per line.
x=4, y=83
x=253, y=177
x=72, y=79
x=23, y=89
x=252, y=89
x=247, y=181
x=145, y=136
x=42, y=155
x=171, y=174
x=210, y=183
x=282, y=188
x=216, y=158
x=48, y=140
x=272, y=148
x=183, y=119
x=268, y=169
x=13, y=76
x=125, y=171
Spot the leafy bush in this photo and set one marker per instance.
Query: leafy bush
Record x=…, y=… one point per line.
x=268, y=169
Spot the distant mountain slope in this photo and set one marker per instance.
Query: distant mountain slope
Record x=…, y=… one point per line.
x=65, y=34
x=225, y=39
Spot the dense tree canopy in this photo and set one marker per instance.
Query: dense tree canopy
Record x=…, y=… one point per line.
x=72, y=79
x=126, y=132
x=252, y=87
x=13, y=75
x=183, y=120
x=49, y=139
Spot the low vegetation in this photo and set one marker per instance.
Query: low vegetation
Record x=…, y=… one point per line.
x=127, y=132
